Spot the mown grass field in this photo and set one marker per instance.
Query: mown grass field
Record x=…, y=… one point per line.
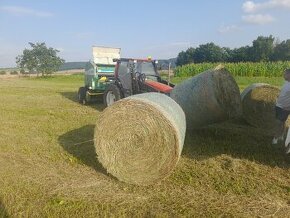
x=48, y=165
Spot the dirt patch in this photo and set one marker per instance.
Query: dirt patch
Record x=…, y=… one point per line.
x=70, y=72
x=8, y=77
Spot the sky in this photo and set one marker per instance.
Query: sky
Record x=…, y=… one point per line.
x=160, y=29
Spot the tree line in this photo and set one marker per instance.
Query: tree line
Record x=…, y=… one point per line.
x=262, y=49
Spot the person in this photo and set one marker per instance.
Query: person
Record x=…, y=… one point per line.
x=282, y=110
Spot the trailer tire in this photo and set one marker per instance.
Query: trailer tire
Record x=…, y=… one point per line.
x=111, y=95
x=82, y=95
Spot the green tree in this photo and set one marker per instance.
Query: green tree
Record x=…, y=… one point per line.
x=185, y=57
x=262, y=49
x=241, y=54
x=209, y=53
x=181, y=58
x=227, y=54
x=282, y=51
x=40, y=59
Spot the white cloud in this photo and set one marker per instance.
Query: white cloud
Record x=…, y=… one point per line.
x=252, y=7
x=226, y=29
x=259, y=19
x=22, y=11
x=249, y=6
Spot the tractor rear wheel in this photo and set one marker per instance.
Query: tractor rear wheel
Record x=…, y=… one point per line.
x=111, y=95
x=82, y=95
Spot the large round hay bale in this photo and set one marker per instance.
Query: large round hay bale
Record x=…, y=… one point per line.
x=209, y=97
x=139, y=139
x=258, y=102
x=248, y=89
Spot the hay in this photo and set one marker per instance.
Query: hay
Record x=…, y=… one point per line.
x=248, y=89
x=258, y=102
x=139, y=139
x=210, y=97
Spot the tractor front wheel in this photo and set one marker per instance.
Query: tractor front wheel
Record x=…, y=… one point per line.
x=82, y=95
x=111, y=95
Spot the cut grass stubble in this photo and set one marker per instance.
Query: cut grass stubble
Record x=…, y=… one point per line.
x=229, y=169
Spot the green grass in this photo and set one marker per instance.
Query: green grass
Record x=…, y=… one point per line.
x=228, y=169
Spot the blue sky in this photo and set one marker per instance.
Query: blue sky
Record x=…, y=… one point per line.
x=160, y=29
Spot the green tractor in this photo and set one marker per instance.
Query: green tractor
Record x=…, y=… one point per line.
x=117, y=78
x=99, y=73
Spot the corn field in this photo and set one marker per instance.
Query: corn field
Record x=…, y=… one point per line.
x=246, y=69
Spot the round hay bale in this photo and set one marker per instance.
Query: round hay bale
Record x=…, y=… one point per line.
x=258, y=102
x=210, y=97
x=250, y=88
x=139, y=139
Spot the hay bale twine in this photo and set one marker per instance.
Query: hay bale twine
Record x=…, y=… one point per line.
x=210, y=97
x=258, y=102
x=139, y=139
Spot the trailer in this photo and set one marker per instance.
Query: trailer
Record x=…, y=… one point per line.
x=99, y=73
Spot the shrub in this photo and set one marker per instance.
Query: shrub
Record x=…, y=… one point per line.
x=14, y=72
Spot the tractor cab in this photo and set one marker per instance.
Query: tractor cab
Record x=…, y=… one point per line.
x=135, y=76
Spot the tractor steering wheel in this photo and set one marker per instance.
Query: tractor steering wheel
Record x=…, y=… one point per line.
x=141, y=77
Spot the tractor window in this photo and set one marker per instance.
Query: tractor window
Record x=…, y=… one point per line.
x=123, y=68
x=147, y=68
